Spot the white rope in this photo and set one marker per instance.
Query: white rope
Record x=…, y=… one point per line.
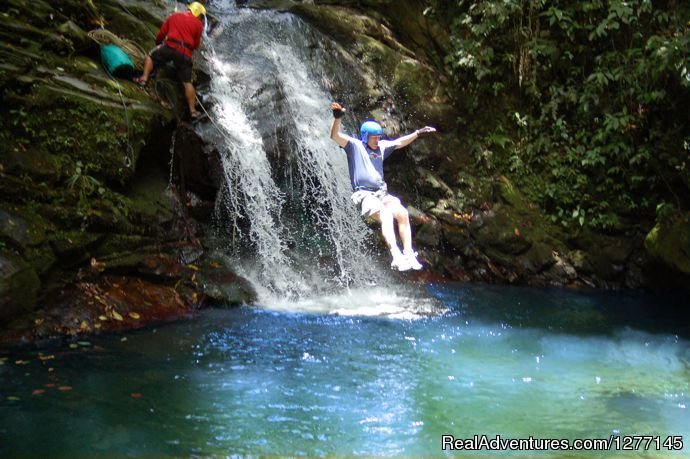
x=133, y=50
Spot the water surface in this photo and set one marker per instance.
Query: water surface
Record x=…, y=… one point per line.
x=251, y=381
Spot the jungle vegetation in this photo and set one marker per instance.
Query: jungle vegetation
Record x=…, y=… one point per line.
x=590, y=102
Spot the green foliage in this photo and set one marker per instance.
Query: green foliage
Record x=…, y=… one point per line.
x=592, y=100
x=85, y=185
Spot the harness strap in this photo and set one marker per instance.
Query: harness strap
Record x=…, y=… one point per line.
x=179, y=43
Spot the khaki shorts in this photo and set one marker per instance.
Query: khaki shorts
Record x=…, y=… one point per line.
x=371, y=202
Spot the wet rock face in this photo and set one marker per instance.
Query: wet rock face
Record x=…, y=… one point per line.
x=19, y=285
x=85, y=171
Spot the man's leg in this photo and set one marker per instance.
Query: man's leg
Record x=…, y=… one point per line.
x=148, y=68
x=402, y=218
x=385, y=218
x=190, y=95
x=400, y=261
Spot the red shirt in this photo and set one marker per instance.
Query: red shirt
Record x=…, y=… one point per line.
x=181, y=27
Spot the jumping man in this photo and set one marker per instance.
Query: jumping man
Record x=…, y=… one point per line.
x=365, y=158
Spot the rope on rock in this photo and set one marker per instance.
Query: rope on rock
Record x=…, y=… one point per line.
x=135, y=52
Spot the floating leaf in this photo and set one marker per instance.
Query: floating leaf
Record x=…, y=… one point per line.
x=103, y=318
x=45, y=357
x=38, y=392
x=117, y=316
x=13, y=398
x=123, y=339
x=73, y=345
x=84, y=343
x=22, y=362
x=136, y=395
x=64, y=388
x=97, y=325
x=134, y=315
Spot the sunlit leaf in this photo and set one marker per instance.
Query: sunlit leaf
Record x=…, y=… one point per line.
x=134, y=315
x=64, y=388
x=117, y=316
x=38, y=392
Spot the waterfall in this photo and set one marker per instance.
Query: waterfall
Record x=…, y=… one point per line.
x=286, y=194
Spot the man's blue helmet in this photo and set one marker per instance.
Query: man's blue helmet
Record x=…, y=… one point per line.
x=369, y=128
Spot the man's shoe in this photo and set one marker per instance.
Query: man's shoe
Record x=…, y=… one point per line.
x=412, y=261
x=401, y=263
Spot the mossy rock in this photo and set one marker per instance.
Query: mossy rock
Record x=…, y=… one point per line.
x=73, y=243
x=669, y=242
x=22, y=227
x=19, y=286
x=501, y=232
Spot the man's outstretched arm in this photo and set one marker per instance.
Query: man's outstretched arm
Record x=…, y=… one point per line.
x=336, y=135
x=409, y=138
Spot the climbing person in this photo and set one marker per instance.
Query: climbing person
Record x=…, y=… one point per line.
x=365, y=158
x=176, y=41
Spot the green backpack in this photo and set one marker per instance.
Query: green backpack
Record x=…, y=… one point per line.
x=116, y=61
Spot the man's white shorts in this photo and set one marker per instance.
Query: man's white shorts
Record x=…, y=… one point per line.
x=371, y=202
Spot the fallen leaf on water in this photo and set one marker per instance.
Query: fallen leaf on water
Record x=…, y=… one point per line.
x=22, y=362
x=38, y=392
x=51, y=369
x=13, y=398
x=73, y=345
x=64, y=388
x=84, y=325
x=84, y=343
x=134, y=315
x=123, y=339
x=103, y=318
x=517, y=232
x=97, y=325
x=135, y=395
x=49, y=385
x=117, y=316
x=45, y=357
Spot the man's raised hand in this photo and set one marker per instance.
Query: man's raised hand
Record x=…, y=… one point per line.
x=425, y=130
x=338, y=110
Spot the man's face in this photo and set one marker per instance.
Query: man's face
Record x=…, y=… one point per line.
x=373, y=141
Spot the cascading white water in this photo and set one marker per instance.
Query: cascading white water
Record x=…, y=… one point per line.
x=264, y=51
